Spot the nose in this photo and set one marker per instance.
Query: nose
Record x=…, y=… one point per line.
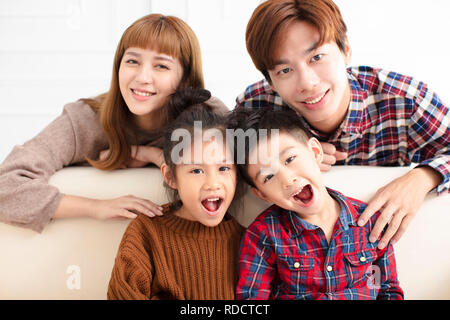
x=307, y=78
x=144, y=75
x=287, y=177
x=212, y=181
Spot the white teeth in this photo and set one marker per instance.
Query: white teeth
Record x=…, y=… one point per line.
x=141, y=93
x=315, y=100
x=213, y=199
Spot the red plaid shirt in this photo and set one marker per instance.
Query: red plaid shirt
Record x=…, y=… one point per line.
x=285, y=257
x=392, y=120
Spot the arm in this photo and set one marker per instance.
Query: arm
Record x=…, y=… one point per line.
x=429, y=145
x=256, y=266
x=26, y=198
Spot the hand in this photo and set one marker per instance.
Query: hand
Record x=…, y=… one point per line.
x=399, y=202
x=125, y=207
x=330, y=156
x=140, y=156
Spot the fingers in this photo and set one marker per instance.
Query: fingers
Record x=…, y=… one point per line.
x=328, y=148
x=339, y=155
x=384, y=219
x=144, y=206
x=375, y=204
x=391, y=230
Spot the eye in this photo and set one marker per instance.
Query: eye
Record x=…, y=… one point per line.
x=224, y=168
x=289, y=160
x=197, y=171
x=131, y=61
x=317, y=57
x=268, y=177
x=162, y=67
x=284, y=71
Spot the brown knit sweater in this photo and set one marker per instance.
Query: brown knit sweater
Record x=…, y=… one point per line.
x=169, y=257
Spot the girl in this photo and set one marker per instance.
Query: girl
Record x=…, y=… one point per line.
x=190, y=253
x=156, y=55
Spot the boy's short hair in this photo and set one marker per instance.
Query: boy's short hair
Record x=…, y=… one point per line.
x=283, y=119
x=271, y=17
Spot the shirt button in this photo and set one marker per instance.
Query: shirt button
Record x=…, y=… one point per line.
x=296, y=265
x=362, y=259
x=329, y=268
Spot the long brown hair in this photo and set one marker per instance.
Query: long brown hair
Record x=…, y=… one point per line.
x=165, y=34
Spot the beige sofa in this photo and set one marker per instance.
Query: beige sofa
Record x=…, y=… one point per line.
x=73, y=258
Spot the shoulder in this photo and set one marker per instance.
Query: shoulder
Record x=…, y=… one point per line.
x=258, y=95
x=381, y=81
x=355, y=208
x=268, y=222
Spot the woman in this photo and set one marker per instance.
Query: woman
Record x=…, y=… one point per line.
x=121, y=128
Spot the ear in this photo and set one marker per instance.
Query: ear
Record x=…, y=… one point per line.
x=167, y=176
x=259, y=194
x=348, y=51
x=316, y=148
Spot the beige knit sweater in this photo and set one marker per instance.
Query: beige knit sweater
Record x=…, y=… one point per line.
x=26, y=198
x=170, y=257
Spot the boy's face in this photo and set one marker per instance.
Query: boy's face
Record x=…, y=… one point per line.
x=311, y=79
x=292, y=179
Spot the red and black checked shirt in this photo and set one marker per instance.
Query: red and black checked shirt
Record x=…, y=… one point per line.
x=392, y=120
x=285, y=257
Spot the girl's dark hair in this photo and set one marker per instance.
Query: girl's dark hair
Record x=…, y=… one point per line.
x=252, y=121
x=191, y=104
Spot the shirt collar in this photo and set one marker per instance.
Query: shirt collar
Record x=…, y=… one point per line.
x=347, y=216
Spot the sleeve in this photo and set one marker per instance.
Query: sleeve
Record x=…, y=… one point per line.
x=26, y=198
x=429, y=135
x=387, y=277
x=132, y=274
x=256, y=269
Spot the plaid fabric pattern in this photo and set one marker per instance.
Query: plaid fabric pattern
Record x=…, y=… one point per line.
x=285, y=257
x=392, y=120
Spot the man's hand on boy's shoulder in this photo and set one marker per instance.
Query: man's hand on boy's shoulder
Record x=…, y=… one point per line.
x=399, y=202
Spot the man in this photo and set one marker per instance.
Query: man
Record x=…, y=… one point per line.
x=362, y=115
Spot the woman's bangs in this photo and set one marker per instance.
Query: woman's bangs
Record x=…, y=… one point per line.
x=158, y=37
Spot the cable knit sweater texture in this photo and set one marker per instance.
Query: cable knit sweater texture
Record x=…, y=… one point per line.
x=26, y=198
x=170, y=257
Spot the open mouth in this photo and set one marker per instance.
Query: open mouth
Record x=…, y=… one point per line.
x=304, y=196
x=212, y=205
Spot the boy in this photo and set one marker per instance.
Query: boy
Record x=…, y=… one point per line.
x=307, y=245
x=373, y=117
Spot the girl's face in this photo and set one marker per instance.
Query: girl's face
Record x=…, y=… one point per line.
x=146, y=79
x=206, y=187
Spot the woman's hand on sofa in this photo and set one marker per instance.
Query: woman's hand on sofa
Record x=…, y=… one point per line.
x=126, y=207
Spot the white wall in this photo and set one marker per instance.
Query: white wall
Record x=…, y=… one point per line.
x=56, y=51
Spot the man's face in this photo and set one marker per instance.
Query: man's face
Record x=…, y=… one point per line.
x=312, y=79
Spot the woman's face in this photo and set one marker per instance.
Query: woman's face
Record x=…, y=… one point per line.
x=146, y=79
